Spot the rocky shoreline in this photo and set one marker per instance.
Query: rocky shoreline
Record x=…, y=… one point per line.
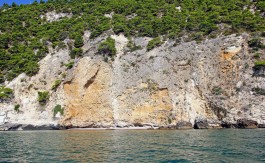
x=182, y=125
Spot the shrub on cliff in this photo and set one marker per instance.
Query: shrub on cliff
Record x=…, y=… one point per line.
x=256, y=44
x=131, y=45
x=79, y=41
x=56, y=84
x=260, y=64
x=76, y=52
x=5, y=93
x=154, y=43
x=58, y=109
x=107, y=47
x=69, y=65
x=16, y=108
x=43, y=97
x=258, y=91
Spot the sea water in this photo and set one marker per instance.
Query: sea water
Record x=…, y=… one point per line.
x=220, y=145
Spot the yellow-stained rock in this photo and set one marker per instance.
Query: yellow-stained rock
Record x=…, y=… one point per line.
x=87, y=95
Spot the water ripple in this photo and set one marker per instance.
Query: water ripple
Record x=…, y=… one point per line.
x=133, y=146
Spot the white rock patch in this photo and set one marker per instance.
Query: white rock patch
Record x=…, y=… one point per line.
x=53, y=16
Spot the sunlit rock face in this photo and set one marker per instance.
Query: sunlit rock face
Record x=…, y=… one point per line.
x=88, y=95
x=210, y=81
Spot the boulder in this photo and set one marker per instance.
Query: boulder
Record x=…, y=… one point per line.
x=183, y=125
x=247, y=123
x=201, y=124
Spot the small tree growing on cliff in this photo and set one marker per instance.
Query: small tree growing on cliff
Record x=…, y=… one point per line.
x=107, y=47
x=43, y=97
x=5, y=93
x=154, y=43
x=58, y=109
x=79, y=41
x=56, y=84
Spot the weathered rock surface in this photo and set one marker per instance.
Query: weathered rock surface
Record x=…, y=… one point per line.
x=247, y=123
x=261, y=125
x=20, y=127
x=206, y=85
x=201, y=124
x=88, y=95
x=53, y=16
x=182, y=125
x=9, y=127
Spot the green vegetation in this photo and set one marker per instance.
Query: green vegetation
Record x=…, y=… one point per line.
x=154, y=43
x=107, y=47
x=58, y=109
x=256, y=44
x=258, y=91
x=70, y=65
x=257, y=55
x=43, y=97
x=24, y=35
x=16, y=108
x=217, y=90
x=5, y=93
x=260, y=63
x=76, y=52
x=56, y=84
x=131, y=45
x=79, y=41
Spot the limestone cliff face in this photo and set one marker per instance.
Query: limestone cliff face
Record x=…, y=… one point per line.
x=88, y=95
x=26, y=93
x=211, y=80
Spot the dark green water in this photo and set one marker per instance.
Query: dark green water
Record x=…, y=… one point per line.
x=227, y=145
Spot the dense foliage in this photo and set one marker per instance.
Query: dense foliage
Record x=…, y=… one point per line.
x=24, y=35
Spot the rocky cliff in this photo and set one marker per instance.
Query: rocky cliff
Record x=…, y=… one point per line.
x=212, y=81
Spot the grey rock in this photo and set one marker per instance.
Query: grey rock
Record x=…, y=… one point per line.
x=247, y=123
x=41, y=127
x=261, y=125
x=228, y=125
x=10, y=127
x=201, y=124
x=168, y=127
x=174, y=81
x=182, y=125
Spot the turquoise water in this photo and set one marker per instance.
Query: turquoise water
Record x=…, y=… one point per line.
x=224, y=145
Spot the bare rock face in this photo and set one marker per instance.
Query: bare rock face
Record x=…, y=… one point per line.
x=182, y=125
x=206, y=85
x=53, y=16
x=88, y=95
x=201, y=124
x=26, y=93
x=261, y=125
x=247, y=123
